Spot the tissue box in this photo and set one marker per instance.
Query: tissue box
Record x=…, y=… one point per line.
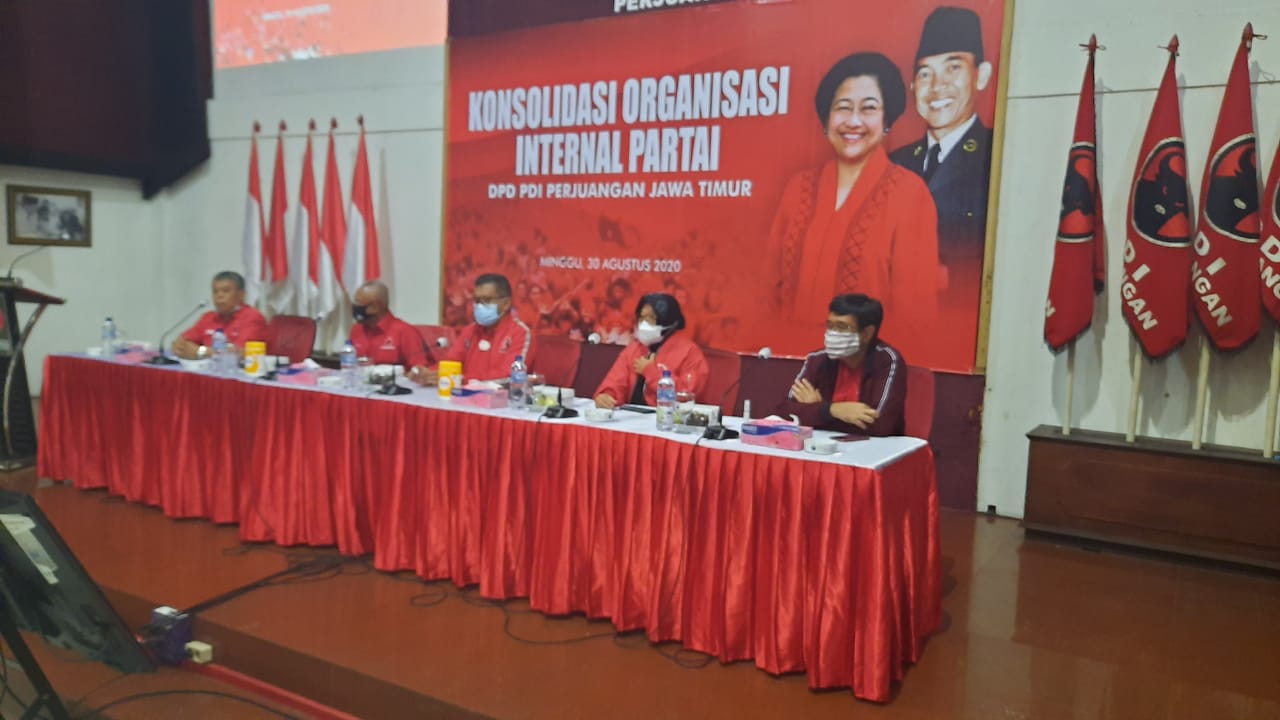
x=479, y=397
x=775, y=433
x=297, y=376
x=135, y=356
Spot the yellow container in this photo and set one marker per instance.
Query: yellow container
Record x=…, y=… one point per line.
x=450, y=377
x=254, y=352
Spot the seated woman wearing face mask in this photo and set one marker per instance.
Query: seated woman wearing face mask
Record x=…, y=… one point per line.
x=658, y=345
x=857, y=383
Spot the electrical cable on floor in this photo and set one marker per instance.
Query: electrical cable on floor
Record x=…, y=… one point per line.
x=75, y=706
x=97, y=712
x=697, y=662
x=509, y=613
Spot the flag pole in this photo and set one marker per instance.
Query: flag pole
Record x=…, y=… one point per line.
x=1273, y=394
x=1133, y=395
x=1202, y=389
x=1071, y=381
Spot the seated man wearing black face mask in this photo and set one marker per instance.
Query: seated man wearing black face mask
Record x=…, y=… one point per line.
x=856, y=384
x=386, y=339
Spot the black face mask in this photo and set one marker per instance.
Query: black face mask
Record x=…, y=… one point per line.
x=360, y=312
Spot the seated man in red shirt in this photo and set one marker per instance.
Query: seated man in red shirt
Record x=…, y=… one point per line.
x=857, y=383
x=239, y=322
x=384, y=338
x=488, y=346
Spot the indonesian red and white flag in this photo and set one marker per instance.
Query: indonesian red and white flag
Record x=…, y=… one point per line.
x=251, y=251
x=1154, y=294
x=360, y=262
x=1224, y=276
x=275, y=253
x=333, y=235
x=306, y=236
x=1270, y=260
x=1079, y=266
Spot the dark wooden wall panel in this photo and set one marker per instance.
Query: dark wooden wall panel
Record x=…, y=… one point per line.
x=1219, y=503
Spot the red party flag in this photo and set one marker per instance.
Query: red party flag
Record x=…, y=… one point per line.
x=1157, y=251
x=1224, y=277
x=1079, y=266
x=1270, y=260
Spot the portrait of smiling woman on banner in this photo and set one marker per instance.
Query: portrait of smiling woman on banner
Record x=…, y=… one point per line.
x=859, y=223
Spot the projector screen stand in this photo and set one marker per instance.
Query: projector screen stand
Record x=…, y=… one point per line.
x=46, y=700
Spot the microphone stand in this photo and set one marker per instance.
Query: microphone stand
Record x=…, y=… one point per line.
x=162, y=359
x=391, y=387
x=9, y=279
x=559, y=411
x=719, y=431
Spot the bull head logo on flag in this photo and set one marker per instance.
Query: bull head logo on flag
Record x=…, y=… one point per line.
x=1224, y=280
x=1157, y=251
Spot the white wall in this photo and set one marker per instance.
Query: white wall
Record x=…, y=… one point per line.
x=152, y=260
x=119, y=275
x=1025, y=382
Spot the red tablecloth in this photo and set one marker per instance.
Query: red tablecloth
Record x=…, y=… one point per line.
x=797, y=565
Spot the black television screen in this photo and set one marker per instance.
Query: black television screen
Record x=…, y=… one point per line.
x=49, y=593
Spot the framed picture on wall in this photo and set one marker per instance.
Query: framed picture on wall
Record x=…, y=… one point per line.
x=49, y=216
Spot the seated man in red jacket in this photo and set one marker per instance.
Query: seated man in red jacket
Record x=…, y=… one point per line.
x=384, y=338
x=856, y=384
x=239, y=322
x=488, y=346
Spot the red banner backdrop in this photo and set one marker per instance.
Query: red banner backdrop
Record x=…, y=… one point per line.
x=698, y=152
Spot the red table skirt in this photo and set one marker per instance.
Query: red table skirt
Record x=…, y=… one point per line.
x=797, y=565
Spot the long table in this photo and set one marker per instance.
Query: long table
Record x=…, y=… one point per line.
x=828, y=565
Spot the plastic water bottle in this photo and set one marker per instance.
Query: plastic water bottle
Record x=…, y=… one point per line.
x=350, y=368
x=219, y=344
x=666, y=402
x=516, y=388
x=108, y=338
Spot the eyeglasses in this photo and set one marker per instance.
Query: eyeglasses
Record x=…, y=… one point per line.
x=490, y=299
x=841, y=327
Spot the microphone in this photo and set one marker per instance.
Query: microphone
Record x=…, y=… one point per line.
x=765, y=353
x=719, y=431
x=391, y=387
x=162, y=359
x=442, y=342
x=20, y=258
x=559, y=411
x=594, y=338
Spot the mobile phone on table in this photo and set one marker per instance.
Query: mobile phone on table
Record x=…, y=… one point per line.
x=849, y=438
x=645, y=409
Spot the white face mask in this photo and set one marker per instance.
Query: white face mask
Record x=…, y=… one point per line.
x=648, y=333
x=842, y=344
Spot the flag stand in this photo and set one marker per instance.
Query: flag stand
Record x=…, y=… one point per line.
x=1202, y=389
x=1071, y=381
x=1133, y=395
x=1269, y=442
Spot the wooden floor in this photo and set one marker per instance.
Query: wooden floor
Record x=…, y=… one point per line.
x=1032, y=630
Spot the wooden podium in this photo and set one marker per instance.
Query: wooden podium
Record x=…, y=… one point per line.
x=18, y=449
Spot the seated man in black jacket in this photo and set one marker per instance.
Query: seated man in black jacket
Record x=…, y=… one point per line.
x=856, y=384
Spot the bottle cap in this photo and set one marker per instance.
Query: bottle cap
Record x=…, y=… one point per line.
x=519, y=358
x=666, y=373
